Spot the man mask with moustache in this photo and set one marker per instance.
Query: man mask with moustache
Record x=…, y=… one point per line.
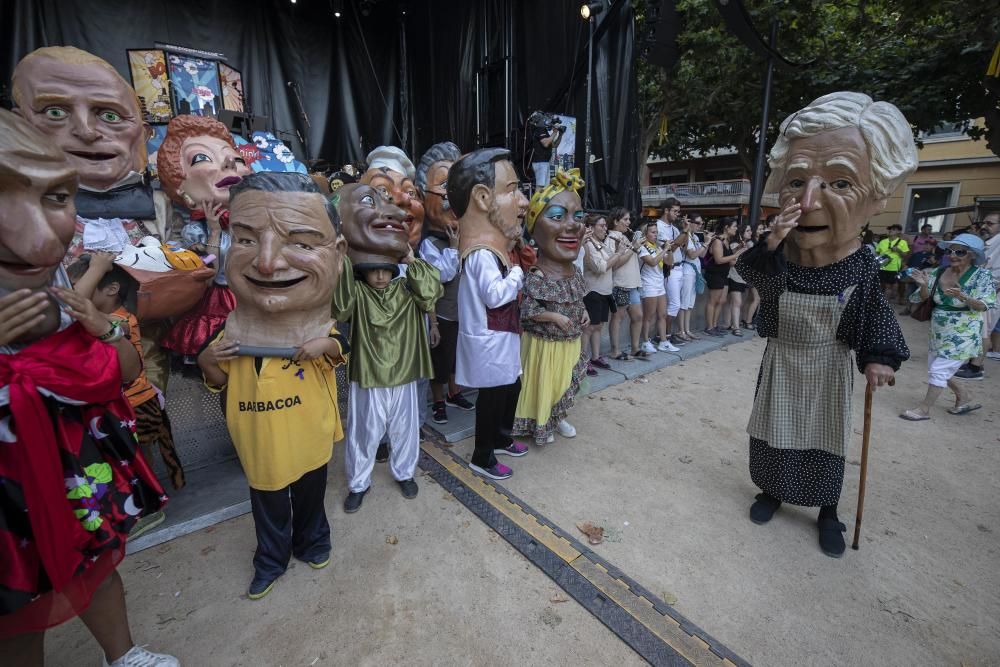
x=391, y=172
x=284, y=262
x=483, y=189
x=373, y=226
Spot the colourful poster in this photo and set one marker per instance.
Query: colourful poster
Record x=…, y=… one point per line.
x=232, y=88
x=148, y=68
x=196, y=85
x=153, y=146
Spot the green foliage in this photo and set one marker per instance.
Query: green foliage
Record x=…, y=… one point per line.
x=928, y=58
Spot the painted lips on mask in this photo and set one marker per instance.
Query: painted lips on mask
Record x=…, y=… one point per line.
x=275, y=284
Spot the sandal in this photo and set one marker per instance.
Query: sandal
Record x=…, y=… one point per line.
x=736, y=332
x=623, y=357
x=642, y=355
x=964, y=409
x=914, y=416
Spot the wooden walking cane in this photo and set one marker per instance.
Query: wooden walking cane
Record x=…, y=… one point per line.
x=864, y=462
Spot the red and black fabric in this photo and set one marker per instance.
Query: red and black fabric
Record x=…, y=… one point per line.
x=72, y=480
x=196, y=327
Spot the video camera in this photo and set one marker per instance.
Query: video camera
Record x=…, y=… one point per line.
x=548, y=121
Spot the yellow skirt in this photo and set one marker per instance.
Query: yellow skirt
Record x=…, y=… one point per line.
x=547, y=372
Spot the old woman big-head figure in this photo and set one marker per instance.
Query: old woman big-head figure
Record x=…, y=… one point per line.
x=834, y=165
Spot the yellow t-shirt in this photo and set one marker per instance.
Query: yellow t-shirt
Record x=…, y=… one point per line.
x=282, y=416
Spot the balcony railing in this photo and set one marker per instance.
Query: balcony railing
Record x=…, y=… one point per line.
x=705, y=193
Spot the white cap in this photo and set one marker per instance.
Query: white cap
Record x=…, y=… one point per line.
x=391, y=157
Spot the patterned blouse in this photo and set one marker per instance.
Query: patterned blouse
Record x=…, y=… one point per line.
x=563, y=296
x=956, y=330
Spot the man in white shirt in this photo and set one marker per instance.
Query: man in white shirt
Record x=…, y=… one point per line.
x=483, y=191
x=667, y=232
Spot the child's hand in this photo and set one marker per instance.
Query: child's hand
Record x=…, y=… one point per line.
x=19, y=312
x=102, y=260
x=408, y=258
x=452, y=233
x=585, y=320
x=312, y=349
x=212, y=216
x=220, y=350
x=83, y=311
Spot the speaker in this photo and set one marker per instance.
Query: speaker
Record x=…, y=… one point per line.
x=659, y=45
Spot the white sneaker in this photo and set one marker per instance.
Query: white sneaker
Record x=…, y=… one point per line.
x=993, y=355
x=566, y=429
x=137, y=656
x=665, y=346
x=648, y=348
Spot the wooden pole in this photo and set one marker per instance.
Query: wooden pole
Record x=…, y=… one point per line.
x=864, y=464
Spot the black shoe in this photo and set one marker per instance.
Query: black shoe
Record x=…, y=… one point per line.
x=353, y=501
x=440, y=413
x=970, y=372
x=382, y=453
x=677, y=341
x=656, y=340
x=764, y=508
x=260, y=586
x=831, y=537
x=460, y=402
x=408, y=487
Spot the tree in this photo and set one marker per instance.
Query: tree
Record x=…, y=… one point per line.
x=927, y=58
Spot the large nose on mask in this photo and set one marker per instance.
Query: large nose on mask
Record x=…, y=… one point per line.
x=269, y=258
x=811, y=195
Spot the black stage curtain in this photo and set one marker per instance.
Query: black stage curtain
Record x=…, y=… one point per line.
x=405, y=74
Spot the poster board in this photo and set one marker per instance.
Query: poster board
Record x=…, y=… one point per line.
x=196, y=85
x=233, y=95
x=148, y=71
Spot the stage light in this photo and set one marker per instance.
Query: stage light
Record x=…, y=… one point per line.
x=591, y=9
x=338, y=8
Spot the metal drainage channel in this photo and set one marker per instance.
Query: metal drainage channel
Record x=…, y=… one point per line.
x=651, y=627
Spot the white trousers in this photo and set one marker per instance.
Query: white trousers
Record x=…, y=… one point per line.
x=541, y=170
x=940, y=370
x=375, y=412
x=674, y=284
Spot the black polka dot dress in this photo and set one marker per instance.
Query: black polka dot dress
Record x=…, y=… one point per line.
x=803, y=471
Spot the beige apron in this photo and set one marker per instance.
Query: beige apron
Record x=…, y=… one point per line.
x=807, y=376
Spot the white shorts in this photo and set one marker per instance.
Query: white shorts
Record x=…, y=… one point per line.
x=991, y=318
x=688, y=294
x=940, y=370
x=649, y=292
x=674, y=283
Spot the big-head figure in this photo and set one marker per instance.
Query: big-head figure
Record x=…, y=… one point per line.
x=483, y=191
x=89, y=111
x=432, y=183
x=555, y=221
x=37, y=218
x=198, y=162
x=391, y=172
x=374, y=227
x=285, y=260
x=834, y=166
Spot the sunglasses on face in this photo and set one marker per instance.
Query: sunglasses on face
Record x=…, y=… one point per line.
x=958, y=252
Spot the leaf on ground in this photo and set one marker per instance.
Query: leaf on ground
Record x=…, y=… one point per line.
x=595, y=534
x=668, y=597
x=557, y=598
x=685, y=459
x=392, y=539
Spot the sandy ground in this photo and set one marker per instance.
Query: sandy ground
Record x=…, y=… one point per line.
x=662, y=465
x=450, y=591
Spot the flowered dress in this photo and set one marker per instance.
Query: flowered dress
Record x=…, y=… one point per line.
x=72, y=481
x=552, y=365
x=957, y=330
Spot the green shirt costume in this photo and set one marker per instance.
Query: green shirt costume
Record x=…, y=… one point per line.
x=389, y=342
